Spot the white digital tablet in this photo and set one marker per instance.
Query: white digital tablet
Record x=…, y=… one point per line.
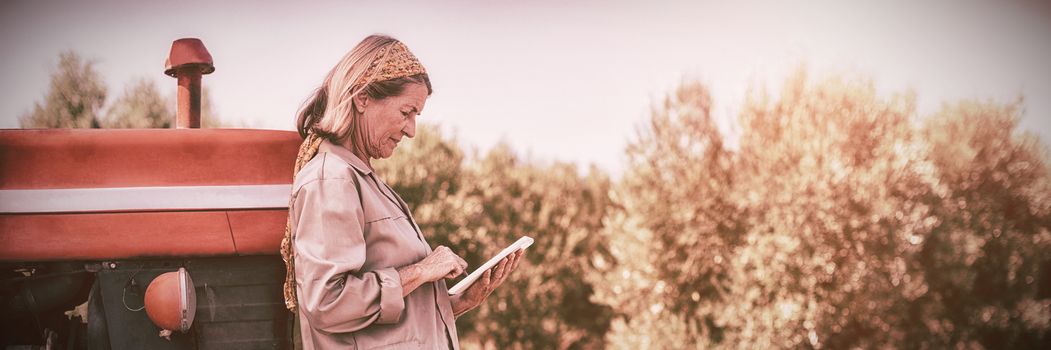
x=521, y=243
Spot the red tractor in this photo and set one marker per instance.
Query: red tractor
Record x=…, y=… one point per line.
x=90, y=218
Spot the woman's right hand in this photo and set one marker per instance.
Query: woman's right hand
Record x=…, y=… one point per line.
x=441, y=263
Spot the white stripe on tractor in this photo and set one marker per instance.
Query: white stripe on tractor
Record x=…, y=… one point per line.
x=144, y=199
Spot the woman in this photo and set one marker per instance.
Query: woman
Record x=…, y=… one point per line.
x=360, y=273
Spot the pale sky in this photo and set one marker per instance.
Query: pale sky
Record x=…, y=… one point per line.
x=558, y=80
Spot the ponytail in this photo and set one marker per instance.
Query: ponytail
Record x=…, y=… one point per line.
x=311, y=112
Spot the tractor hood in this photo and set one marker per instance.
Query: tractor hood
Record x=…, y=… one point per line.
x=92, y=194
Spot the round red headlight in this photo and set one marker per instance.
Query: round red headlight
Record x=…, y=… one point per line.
x=171, y=301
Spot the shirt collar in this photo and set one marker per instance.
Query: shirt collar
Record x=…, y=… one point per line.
x=346, y=155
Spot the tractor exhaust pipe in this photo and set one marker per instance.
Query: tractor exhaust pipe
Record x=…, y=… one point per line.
x=187, y=62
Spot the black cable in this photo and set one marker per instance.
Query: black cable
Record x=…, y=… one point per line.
x=124, y=292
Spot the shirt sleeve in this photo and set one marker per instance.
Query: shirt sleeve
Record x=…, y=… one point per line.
x=334, y=293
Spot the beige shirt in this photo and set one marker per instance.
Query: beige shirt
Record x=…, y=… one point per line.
x=350, y=233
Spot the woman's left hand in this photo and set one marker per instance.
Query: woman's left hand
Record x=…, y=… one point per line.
x=480, y=290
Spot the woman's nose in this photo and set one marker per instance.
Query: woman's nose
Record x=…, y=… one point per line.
x=410, y=128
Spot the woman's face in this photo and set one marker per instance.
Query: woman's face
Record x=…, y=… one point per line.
x=390, y=119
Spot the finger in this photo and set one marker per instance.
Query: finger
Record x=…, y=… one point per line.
x=463, y=262
x=489, y=284
x=503, y=263
x=455, y=271
x=512, y=262
x=507, y=268
x=499, y=269
x=518, y=258
x=502, y=275
x=487, y=277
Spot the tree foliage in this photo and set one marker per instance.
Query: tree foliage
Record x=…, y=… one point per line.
x=838, y=223
x=989, y=260
x=141, y=106
x=74, y=98
x=77, y=95
x=478, y=206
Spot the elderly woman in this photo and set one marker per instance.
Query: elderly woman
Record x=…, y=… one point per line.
x=361, y=274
